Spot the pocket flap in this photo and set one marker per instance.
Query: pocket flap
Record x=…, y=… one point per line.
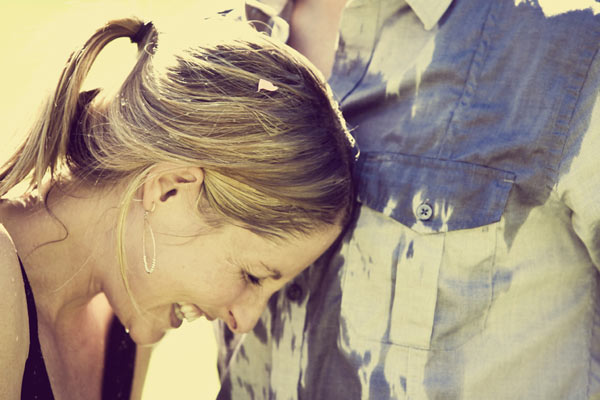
x=431, y=195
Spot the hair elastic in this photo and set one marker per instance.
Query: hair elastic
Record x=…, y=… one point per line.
x=142, y=32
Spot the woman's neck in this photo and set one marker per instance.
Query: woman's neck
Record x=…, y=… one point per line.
x=59, y=236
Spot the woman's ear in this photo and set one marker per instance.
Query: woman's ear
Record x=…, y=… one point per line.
x=166, y=181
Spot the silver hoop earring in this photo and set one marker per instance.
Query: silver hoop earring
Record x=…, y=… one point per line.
x=153, y=264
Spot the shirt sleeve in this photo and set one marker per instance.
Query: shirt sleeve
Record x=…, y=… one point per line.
x=579, y=175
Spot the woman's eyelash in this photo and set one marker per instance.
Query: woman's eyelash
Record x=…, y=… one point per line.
x=251, y=278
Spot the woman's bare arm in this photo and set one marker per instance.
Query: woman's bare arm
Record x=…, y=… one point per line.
x=142, y=360
x=314, y=28
x=14, y=331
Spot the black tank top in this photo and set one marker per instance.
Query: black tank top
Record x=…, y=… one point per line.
x=118, y=363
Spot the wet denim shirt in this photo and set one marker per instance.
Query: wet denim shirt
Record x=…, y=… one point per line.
x=471, y=270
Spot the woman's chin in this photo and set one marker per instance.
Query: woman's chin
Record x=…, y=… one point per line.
x=146, y=336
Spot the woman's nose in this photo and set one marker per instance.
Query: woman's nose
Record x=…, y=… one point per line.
x=243, y=316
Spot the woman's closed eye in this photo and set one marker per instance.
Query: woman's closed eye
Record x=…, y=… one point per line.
x=248, y=277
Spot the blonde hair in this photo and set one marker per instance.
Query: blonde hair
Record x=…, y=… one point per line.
x=275, y=162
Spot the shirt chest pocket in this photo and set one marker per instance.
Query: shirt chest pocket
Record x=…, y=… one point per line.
x=419, y=265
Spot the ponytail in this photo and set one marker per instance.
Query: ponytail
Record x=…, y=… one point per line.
x=45, y=147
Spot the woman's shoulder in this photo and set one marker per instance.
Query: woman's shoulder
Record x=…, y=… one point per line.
x=14, y=329
x=9, y=261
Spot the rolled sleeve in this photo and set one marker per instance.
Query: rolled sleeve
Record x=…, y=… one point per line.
x=579, y=177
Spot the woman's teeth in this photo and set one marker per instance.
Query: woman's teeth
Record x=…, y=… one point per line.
x=187, y=311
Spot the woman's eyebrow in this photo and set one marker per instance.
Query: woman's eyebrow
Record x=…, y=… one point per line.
x=276, y=274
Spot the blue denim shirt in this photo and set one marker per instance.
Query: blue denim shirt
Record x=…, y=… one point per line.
x=471, y=270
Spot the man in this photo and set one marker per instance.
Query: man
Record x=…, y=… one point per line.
x=471, y=270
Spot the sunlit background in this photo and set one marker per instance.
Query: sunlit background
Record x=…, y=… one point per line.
x=36, y=38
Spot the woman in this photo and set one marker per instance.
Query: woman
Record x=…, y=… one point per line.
x=215, y=175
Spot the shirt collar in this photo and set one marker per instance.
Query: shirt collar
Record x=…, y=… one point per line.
x=429, y=11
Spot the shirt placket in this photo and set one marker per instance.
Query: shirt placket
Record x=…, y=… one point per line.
x=413, y=310
x=289, y=346
x=416, y=292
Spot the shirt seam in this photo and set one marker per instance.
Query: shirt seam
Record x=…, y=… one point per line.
x=585, y=81
x=593, y=303
x=477, y=61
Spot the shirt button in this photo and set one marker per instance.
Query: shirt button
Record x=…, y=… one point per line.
x=294, y=292
x=424, y=212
